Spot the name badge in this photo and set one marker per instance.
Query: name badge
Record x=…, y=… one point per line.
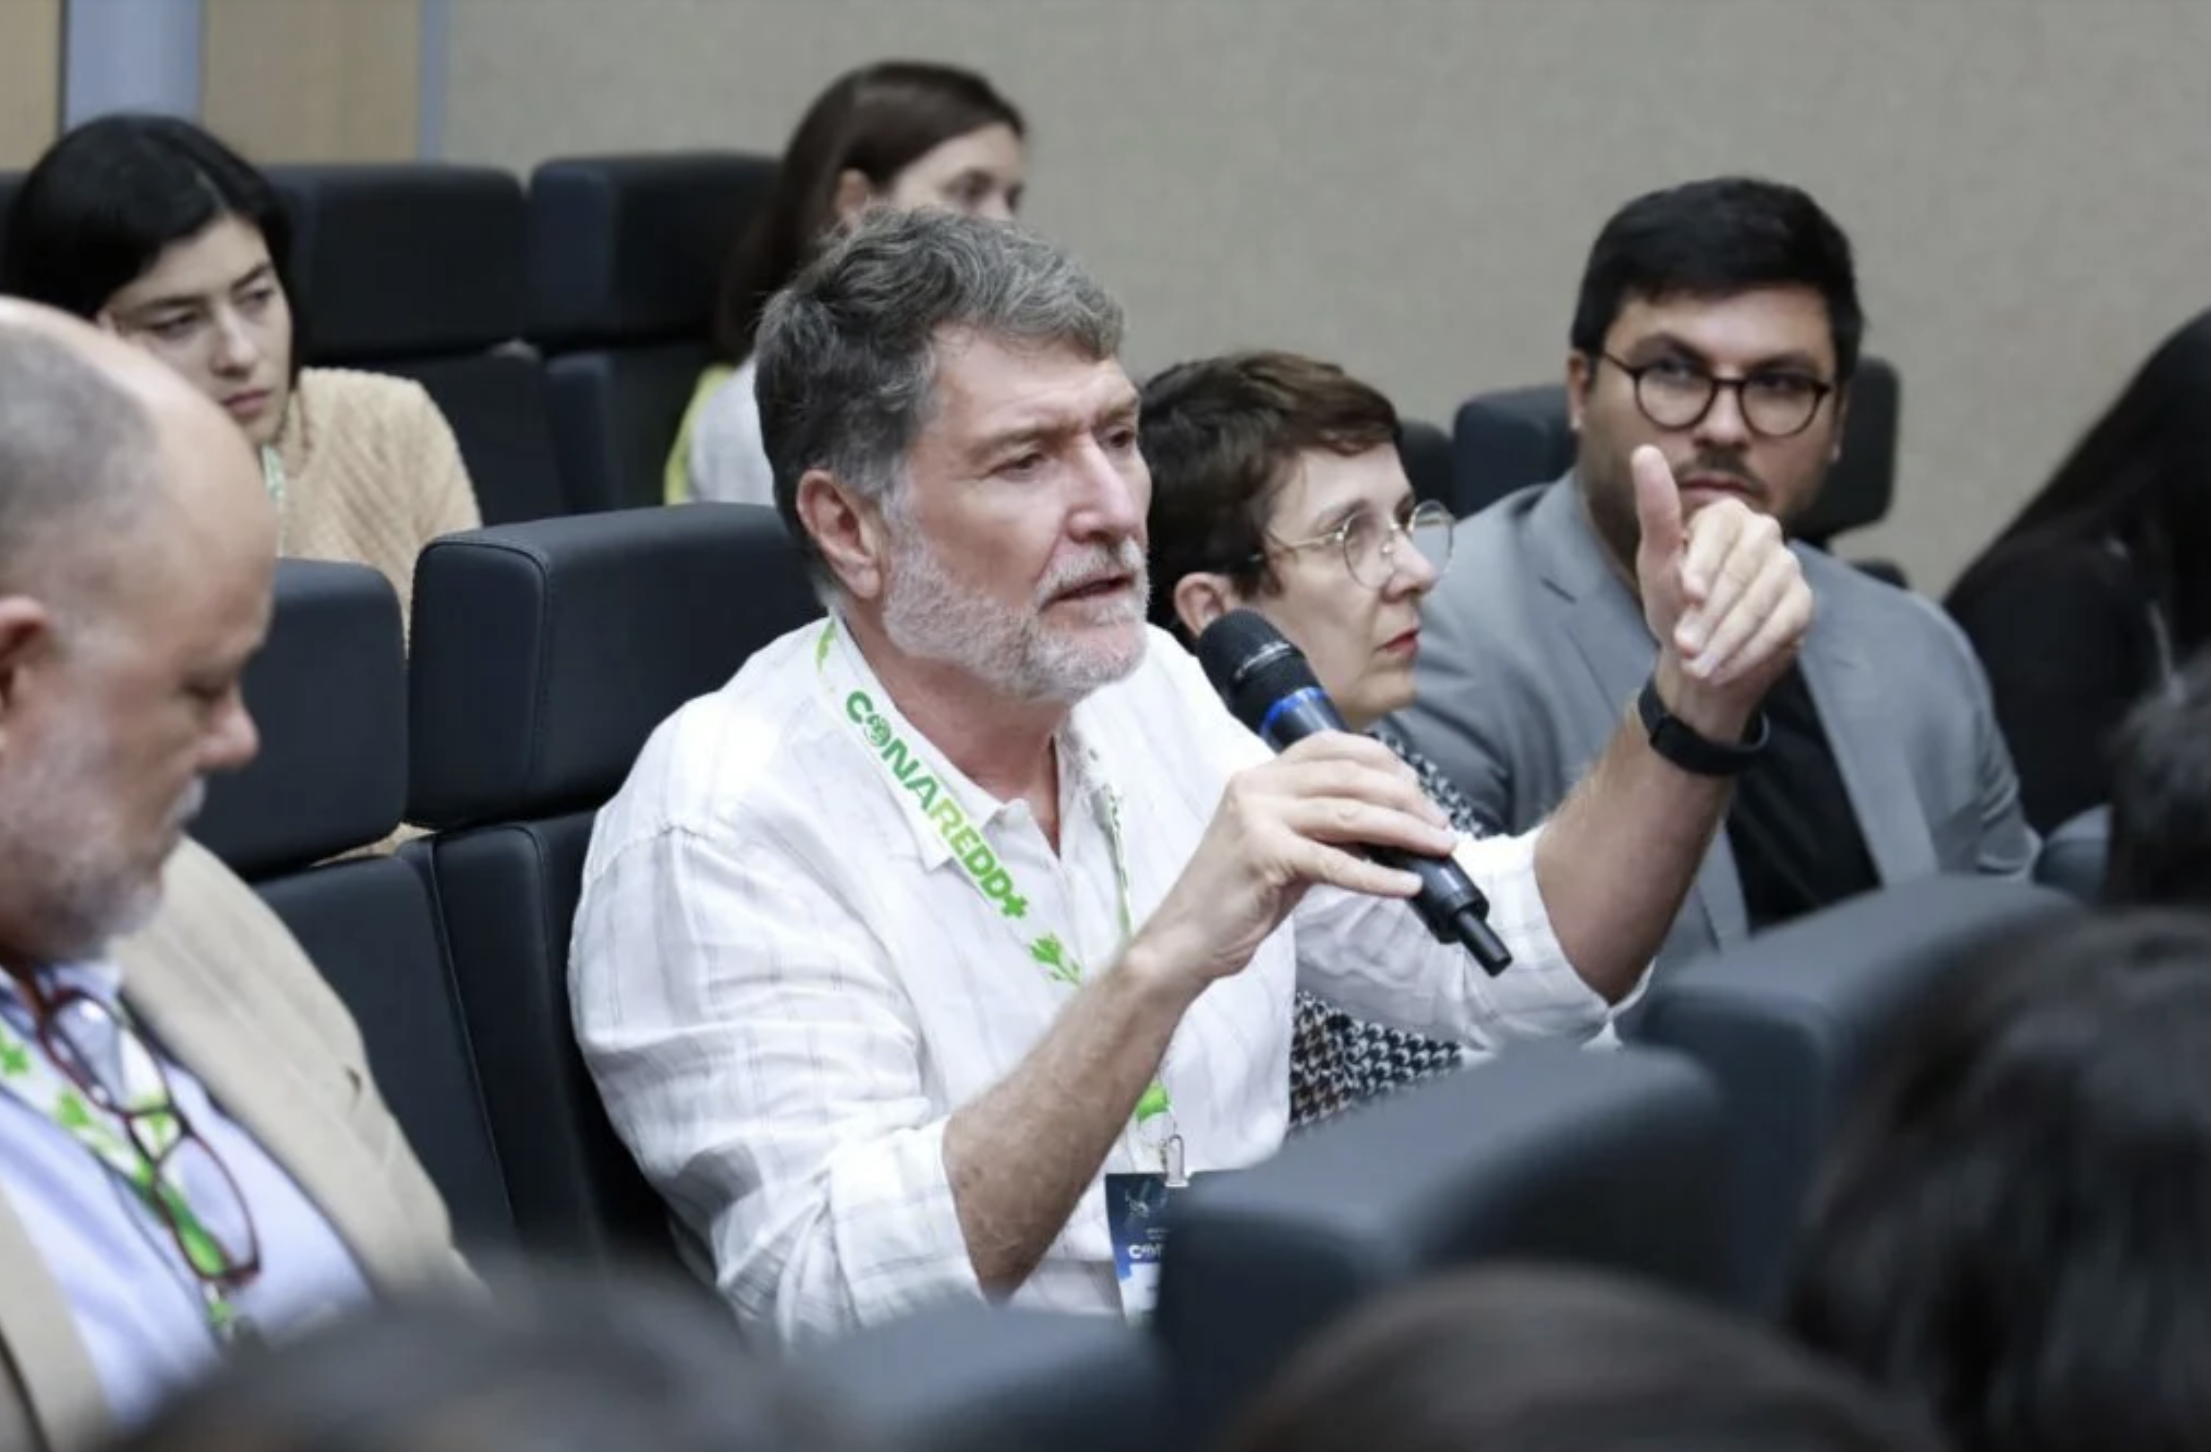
x=1136, y=1216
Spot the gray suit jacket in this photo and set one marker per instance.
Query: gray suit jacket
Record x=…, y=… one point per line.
x=1532, y=648
x=230, y=993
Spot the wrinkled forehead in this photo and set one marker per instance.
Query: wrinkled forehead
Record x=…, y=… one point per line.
x=985, y=385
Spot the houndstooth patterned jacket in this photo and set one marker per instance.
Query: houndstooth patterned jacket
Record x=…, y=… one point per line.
x=1337, y=1061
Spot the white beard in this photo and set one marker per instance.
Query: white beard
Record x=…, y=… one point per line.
x=929, y=614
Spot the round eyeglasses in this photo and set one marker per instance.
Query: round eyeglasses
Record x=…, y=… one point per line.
x=1776, y=404
x=1369, y=543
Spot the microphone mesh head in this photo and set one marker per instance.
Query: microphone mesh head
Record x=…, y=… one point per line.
x=1251, y=665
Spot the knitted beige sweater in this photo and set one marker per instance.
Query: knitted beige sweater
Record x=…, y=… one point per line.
x=371, y=475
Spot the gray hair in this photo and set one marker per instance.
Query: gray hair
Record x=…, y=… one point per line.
x=846, y=355
x=79, y=459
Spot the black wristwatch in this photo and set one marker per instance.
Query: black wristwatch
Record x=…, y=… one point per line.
x=1675, y=740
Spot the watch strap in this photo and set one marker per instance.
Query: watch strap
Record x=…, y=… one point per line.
x=1679, y=743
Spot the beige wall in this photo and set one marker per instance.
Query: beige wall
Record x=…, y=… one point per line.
x=1409, y=186
x=312, y=80
x=30, y=79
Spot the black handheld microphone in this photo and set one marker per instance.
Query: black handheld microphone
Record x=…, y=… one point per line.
x=1268, y=685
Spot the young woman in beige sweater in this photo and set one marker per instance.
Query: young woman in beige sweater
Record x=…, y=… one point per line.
x=160, y=233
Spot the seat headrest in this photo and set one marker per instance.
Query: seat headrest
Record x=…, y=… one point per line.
x=1545, y=1152
x=1510, y=439
x=1504, y=441
x=968, y=1377
x=10, y=183
x=1850, y=965
x=1862, y=484
x=1794, y=1020
x=1425, y=451
x=403, y=261
x=545, y=653
x=328, y=693
x=629, y=249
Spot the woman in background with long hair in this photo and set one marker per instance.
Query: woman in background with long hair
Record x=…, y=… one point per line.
x=2088, y=600
x=898, y=133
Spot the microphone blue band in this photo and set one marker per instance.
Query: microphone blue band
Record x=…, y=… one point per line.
x=1266, y=722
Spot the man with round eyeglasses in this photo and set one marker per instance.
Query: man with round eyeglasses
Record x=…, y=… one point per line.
x=1277, y=487
x=1719, y=323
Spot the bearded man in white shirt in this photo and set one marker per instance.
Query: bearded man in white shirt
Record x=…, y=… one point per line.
x=947, y=906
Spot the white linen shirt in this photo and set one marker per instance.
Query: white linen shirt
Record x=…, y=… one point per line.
x=784, y=984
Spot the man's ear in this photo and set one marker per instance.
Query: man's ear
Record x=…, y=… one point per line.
x=847, y=530
x=1578, y=375
x=26, y=639
x=1842, y=421
x=852, y=196
x=1202, y=597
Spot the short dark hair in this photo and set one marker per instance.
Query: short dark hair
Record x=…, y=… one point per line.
x=1716, y=239
x=105, y=200
x=2160, y=853
x=847, y=357
x=877, y=120
x=1511, y=1358
x=1221, y=436
x=2010, y=1231
x=544, y=1366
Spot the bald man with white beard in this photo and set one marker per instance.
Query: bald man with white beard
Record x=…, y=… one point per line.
x=192, y=1150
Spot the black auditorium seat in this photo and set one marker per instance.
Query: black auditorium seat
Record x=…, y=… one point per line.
x=329, y=695
x=1547, y=1152
x=1425, y=450
x=417, y=270
x=978, y=1378
x=625, y=254
x=9, y=182
x=1793, y=1021
x=543, y=656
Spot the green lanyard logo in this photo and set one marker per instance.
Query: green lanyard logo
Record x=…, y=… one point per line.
x=912, y=774
x=938, y=805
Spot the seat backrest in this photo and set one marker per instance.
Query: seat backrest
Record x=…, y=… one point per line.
x=417, y=270
x=1546, y=1152
x=616, y=414
x=552, y=649
x=10, y=181
x=2076, y=854
x=1793, y=1021
x=626, y=255
x=1425, y=451
x=543, y=656
x=1508, y=440
x=506, y=896
x=328, y=693
x=976, y=1378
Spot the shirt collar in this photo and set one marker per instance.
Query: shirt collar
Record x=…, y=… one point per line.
x=99, y=979
x=1081, y=770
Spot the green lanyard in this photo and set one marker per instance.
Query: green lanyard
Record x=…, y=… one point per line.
x=921, y=786
x=272, y=479
x=26, y=1073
